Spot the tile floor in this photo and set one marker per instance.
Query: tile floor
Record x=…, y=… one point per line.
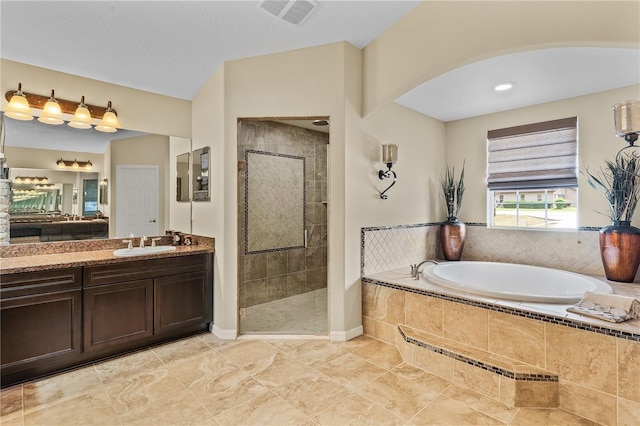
x=205, y=381
x=304, y=313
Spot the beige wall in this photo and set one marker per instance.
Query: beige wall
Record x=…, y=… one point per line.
x=438, y=36
x=597, y=142
x=279, y=86
x=45, y=159
x=137, y=110
x=141, y=150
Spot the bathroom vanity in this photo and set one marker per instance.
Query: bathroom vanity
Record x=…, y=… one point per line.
x=93, y=305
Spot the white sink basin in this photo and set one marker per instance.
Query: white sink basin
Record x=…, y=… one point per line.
x=141, y=251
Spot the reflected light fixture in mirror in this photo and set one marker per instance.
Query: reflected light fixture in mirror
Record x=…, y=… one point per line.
x=18, y=107
x=75, y=164
x=51, y=114
x=82, y=117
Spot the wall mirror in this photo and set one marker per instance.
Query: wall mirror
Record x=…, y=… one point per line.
x=200, y=182
x=33, y=149
x=182, y=177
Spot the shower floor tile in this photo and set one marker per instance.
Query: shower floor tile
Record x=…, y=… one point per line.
x=304, y=313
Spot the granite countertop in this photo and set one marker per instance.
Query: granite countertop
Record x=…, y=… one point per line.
x=49, y=256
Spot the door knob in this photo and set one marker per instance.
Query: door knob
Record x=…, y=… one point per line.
x=152, y=221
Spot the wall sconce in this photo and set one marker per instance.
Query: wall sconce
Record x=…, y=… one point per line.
x=20, y=104
x=389, y=157
x=626, y=116
x=75, y=164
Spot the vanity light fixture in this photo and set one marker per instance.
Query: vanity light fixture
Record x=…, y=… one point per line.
x=82, y=117
x=18, y=107
x=21, y=104
x=51, y=113
x=389, y=157
x=75, y=164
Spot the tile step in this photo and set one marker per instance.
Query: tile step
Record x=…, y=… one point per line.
x=522, y=378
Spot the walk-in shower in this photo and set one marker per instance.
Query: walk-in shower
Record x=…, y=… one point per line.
x=282, y=229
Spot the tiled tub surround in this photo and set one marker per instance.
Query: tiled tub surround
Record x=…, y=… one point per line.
x=596, y=362
x=273, y=275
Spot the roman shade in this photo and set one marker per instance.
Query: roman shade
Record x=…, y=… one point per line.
x=533, y=156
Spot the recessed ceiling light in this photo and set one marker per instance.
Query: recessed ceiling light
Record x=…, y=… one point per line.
x=503, y=86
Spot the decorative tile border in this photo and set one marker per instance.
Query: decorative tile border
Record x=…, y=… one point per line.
x=477, y=363
x=512, y=311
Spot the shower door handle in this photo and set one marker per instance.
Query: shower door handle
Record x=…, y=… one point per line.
x=305, y=238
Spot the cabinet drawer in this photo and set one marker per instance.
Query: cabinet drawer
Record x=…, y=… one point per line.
x=30, y=283
x=51, y=229
x=141, y=269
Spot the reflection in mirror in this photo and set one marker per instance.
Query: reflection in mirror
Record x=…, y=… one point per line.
x=80, y=208
x=104, y=191
x=201, y=174
x=182, y=177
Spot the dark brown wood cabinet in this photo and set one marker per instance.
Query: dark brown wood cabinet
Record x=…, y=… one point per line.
x=116, y=314
x=53, y=320
x=181, y=301
x=40, y=321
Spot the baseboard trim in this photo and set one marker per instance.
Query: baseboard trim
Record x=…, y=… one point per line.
x=223, y=334
x=343, y=336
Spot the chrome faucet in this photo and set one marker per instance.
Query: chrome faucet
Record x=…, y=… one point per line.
x=415, y=269
x=142, y=240
x=129, y=243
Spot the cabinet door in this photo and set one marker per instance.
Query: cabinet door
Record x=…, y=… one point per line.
x=117, y=314
x=182, y=300
x=38, y=331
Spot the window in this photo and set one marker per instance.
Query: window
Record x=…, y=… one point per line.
x=533, y=176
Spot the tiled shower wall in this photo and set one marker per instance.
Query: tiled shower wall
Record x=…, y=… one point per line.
x=273, y=275
x=386, y=248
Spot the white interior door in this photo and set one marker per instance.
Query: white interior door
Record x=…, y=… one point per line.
x=136, y=200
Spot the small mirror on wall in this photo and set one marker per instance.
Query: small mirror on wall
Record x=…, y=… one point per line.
x=182, y=177
x=201, y=174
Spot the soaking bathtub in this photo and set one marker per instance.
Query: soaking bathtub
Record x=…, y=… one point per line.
x=514, y=282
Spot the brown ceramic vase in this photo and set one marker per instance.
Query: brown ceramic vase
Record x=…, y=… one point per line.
x=620, y=251
x=452, y=233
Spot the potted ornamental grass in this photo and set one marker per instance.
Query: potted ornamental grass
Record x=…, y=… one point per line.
x=619, y=182
x=452, y=230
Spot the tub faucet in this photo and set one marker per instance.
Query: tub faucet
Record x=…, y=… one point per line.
x=415, y=269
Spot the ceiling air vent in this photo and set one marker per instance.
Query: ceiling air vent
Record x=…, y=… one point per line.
x=292, y=11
